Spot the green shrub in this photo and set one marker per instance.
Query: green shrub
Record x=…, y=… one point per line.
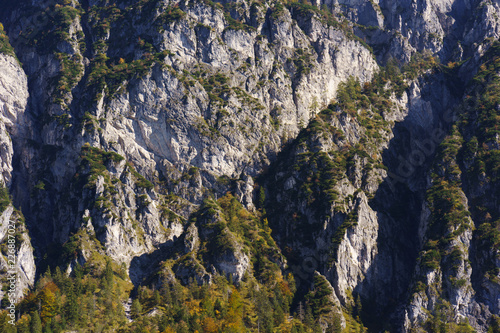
x=5, y=46
x=4, y=198
x=140, y=181
x=236, y=24
x=171, y=14
x=69, y=74
x=57, y=19
x=277, y=11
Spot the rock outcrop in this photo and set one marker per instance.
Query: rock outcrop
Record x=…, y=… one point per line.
x=13, y=100
x=17, y=263
x=17, y=259
x=128, y=123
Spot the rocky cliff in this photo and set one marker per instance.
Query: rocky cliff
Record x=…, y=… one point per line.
x=18, y=258
x=351, y=145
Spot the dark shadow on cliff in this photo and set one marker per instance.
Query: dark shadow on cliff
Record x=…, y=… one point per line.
x=143, y=266
x=399, y=201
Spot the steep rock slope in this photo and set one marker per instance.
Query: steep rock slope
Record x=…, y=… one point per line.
x=18, y=257
x=13, y=99
x=457, y=272
x=142, y=115
x=199, y=96
x=453, y=29
x=336, y=194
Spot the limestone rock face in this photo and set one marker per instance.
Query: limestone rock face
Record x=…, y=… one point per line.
x=164, y=116
x=13, y=100
x=219, y=104
x=126, y=125
x=450, y=28
x=357, y=250
x=20, y=263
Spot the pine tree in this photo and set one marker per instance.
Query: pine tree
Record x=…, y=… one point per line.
x=264, y=311
x=358, y=307
x=167, y=295
x=218, y=308
x=157, y=297
x=72, y=307
x=309, y=318
x=59, y=279
x=278, y=314
x=335, y=326
x=47, y=328
x=108, y=275
x=48, y=273
x=77, y=281
x=163, y=322
x=300, y=311
x=177, y=293
x=36, y=323
x=136, y=308
x=207, y=306
x=262, y=197
x=5, y=327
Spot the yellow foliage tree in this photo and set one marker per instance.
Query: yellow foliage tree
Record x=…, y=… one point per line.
x=209, y=325
x=49, y=305
x=234, y=317
x=169, y=330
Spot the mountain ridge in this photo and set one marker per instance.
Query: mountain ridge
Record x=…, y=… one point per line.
x=359, y=190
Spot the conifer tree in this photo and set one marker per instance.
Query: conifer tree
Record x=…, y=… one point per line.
x=207, y=306
x=72, y=307
x=108, y=275
x=165, y=292
x=218, y=308
x=5, y=327
x=23, y=324
x=136, y=308
x=36, y=323
x=335, y=326
x=59, y=278
x=47, y=328
x=157, y=297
